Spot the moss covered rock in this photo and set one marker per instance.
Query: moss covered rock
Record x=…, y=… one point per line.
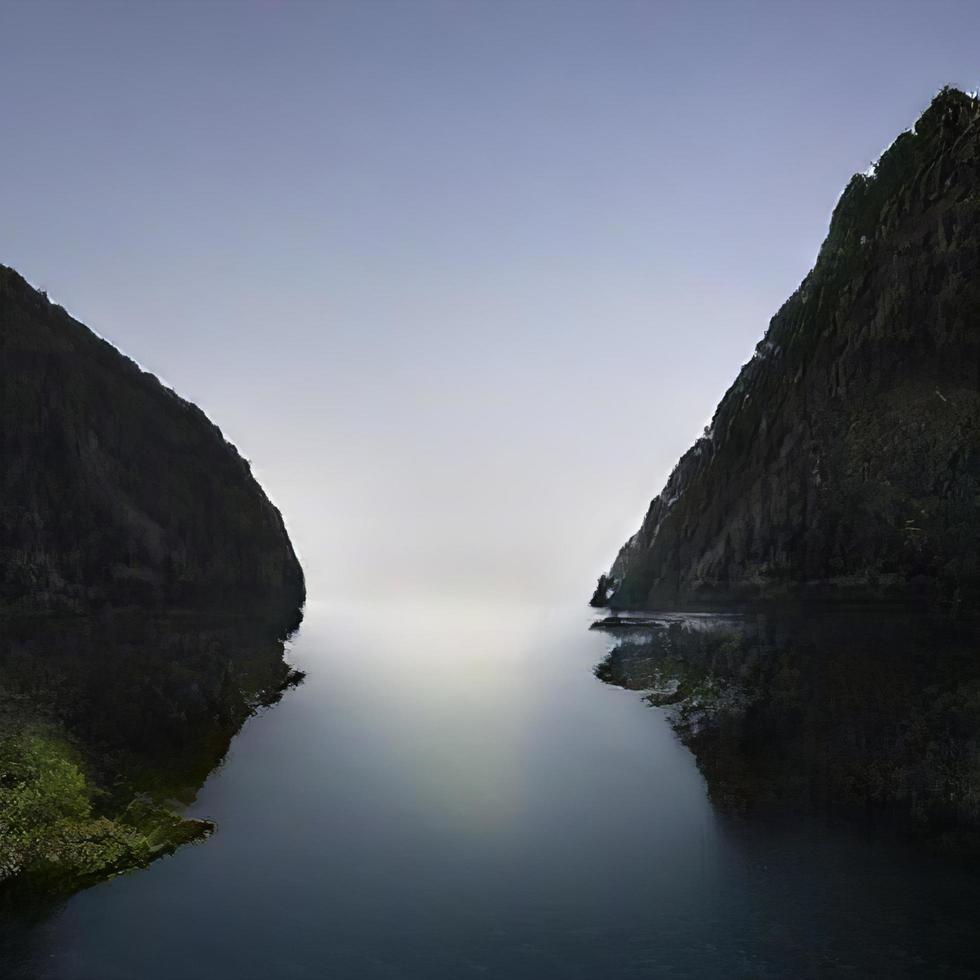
x=50, y=831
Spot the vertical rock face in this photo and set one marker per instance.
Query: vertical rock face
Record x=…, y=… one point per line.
x=844, y=461
x=115, y=491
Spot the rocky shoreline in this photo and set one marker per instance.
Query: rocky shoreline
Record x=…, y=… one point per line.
x=108, y=727
x=146, y=586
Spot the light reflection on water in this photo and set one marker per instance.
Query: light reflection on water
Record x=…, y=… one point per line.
x=451, y=793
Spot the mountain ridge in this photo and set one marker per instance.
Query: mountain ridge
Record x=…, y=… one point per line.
x=115, y=491
x=843, y=462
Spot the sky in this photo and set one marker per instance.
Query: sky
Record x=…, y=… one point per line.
x=462, y=280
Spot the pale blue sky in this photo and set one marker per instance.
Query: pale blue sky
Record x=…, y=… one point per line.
x=462, y=279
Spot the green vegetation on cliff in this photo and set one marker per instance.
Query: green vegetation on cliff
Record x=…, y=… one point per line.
x=50, y=830
x=146, y=583
x=107, y=725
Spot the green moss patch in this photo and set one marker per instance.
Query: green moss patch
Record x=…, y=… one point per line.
x=51, y=829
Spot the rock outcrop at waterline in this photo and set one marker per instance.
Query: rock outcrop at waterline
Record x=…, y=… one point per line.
x=116, y=492
x=872, y=713
x=105, y=722
x=844, y=461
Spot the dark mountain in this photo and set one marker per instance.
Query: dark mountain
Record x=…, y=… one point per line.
x=844, y=460
x=116, y=492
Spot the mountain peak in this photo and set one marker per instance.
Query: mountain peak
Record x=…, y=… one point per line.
x=844, y=460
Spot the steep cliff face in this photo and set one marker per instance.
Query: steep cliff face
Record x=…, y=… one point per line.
x=845, y=460
x=115, y=491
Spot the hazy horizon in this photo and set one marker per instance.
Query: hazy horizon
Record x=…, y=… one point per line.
x=461, y=280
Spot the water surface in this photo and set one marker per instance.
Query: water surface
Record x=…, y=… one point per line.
x=451, y=793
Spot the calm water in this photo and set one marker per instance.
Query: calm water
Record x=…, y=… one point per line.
x=451, y=793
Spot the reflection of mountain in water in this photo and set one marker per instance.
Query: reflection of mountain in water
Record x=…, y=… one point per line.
x=822, y=711
x=103, y=723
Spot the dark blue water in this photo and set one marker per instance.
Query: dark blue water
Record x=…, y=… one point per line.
x=451, y=793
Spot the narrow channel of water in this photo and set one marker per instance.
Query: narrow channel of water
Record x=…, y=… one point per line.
x=451, y=793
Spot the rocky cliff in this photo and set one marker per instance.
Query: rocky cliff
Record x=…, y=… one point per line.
x=116, y=492
x=844, y=460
